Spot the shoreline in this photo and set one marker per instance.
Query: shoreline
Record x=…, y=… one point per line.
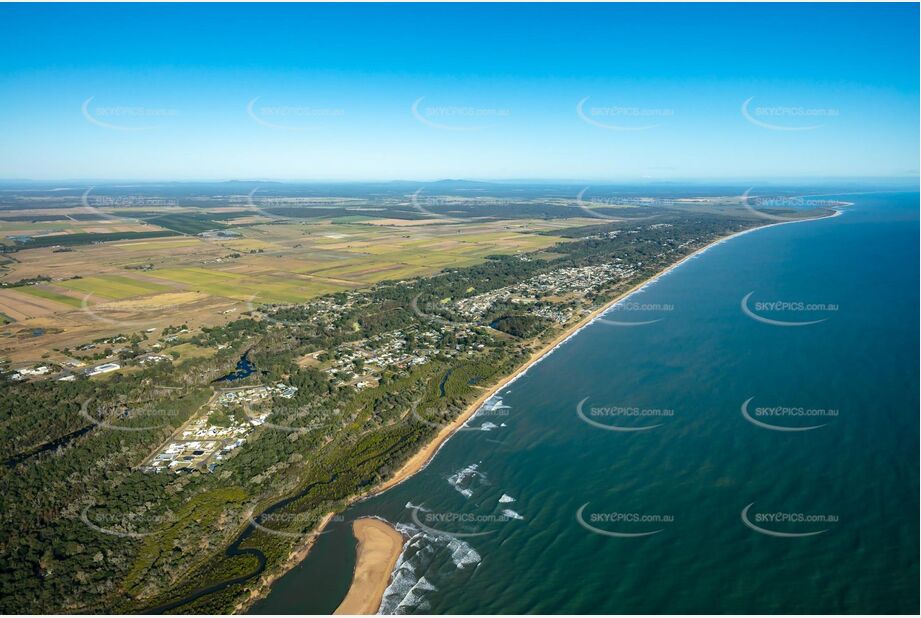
x=379, y=547
x=421, y=459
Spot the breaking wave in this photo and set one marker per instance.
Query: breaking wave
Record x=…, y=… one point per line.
x=420, y=556
x=463, y=479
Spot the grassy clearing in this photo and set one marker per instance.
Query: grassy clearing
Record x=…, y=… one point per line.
x=291, y=291
x=197, y=276
x=247, y=244
x=114, y=286
x=436, y=262
x=214, y=282
x=261, y=287
x=371, y=271
x=159, y=244
x=188, y=351
x=43, y=292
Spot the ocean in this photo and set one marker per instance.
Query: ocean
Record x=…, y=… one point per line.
x=741, y=436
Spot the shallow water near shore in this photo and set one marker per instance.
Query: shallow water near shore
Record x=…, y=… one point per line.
x=772, y=465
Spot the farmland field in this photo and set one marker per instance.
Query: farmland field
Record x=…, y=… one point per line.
x=20, y=306
x=208, y=264
x=44, y=292
x=267, y=288
x=113, y=286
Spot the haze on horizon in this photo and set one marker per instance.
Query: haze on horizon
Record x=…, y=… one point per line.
x=332, y=93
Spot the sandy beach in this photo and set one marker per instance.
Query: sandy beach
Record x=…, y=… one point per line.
x=379, y=546
x=421, y=459
x=418, y=461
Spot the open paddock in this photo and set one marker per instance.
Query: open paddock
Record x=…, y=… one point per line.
x=153, y=282
x=49, y=293
x=73, y=328
x=21, y=306
x=113, y=286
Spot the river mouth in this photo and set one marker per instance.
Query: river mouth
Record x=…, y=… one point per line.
x=668, y=506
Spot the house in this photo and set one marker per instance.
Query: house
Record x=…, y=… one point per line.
x=106, y=368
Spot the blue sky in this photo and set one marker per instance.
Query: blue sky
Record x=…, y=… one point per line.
x=353, y=92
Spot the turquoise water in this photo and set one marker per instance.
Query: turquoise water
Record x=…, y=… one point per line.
x=687, y=480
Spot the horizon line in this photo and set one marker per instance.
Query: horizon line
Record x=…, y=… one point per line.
x=914, y=178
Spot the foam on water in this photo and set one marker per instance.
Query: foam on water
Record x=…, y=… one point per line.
x=405, y=589
x=499, y=586
x=461, y=479
x=491, y=405
x=462, y=553
x=494, y=403
x=414, y=599
x=408, y=584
